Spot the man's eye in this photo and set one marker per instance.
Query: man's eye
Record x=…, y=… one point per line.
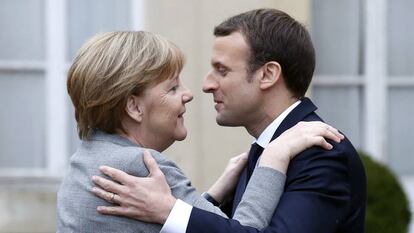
x=222, y=71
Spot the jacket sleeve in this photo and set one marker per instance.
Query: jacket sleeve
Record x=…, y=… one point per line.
x=257, y=205
x=315, y=200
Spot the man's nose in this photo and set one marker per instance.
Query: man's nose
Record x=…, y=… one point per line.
x=210, y=84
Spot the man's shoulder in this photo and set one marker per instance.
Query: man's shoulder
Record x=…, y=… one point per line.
x=340, y=155
x=317, y=169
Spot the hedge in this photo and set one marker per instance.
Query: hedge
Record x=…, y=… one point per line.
x=387, y=205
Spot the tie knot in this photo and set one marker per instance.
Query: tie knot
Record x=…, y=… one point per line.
x=254, y=154
x=255, y=148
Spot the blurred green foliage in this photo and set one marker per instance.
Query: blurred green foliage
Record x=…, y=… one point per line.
x=387, y=208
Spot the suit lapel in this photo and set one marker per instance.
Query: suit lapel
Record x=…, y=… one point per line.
x=305, y=108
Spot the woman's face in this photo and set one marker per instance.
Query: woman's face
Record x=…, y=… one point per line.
x=163, y=106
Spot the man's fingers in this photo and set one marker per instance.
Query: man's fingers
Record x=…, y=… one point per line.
x=151, y=164
x=115, y=174
x=112, y=210
x=107, y=185
x=107, y=196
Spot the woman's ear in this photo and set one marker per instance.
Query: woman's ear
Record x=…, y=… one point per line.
x=133, y=108
x=271, y=73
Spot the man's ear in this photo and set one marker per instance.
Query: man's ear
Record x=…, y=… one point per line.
x=271, y=73
x=134, y=109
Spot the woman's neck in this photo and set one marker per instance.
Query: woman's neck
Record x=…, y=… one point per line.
x=135, y=137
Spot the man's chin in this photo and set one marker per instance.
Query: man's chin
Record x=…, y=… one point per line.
x=225, y=122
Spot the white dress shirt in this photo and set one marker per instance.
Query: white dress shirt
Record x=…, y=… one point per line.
x=179, y=216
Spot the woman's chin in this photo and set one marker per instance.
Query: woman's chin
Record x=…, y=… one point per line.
x=181, y=136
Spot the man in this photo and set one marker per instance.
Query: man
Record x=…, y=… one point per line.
x=262, y=64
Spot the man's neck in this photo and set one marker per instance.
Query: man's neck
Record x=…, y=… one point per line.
x=270, y=113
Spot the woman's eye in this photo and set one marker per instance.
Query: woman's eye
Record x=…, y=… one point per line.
x=174, y=88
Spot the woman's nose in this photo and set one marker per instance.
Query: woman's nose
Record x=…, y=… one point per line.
x=187, y=96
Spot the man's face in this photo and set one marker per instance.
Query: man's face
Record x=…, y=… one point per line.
x=235, y=91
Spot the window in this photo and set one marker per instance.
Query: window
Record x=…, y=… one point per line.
x=38, y=42
x=22, y=85
x=400, y=85
x=86, y=18
x=338, y=88
x=364, y=80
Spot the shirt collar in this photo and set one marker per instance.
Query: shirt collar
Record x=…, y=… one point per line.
x=264, y=139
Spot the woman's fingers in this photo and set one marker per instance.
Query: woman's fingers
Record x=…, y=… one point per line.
x=336, y=132
x=317, y=128
x=313, y=133
x=241, y=158
x=329, y=133
x=321, y=141
x=333, y=134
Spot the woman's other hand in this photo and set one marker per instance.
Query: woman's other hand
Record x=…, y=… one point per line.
x=223, y=188
x=303, y=135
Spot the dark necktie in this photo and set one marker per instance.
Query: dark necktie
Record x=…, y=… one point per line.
x=254, y=154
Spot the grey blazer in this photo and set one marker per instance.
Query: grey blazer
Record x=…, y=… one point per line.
x=76, y=205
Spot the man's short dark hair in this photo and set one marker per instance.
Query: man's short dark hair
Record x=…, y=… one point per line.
x=273, y=35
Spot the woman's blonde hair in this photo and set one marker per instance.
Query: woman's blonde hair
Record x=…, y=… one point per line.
x=111, y=67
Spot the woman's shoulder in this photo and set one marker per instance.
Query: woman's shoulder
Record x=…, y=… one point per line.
x=116, y=152
x=138, y=153
x=131, y=160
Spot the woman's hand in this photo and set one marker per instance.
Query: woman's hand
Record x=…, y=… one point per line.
x=226, y=183
x=147, y=199
x=303, y=135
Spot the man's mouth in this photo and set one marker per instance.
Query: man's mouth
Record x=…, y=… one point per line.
x=217, y=101
x=217, y=105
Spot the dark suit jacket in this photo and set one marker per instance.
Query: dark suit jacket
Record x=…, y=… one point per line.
x=325, y=191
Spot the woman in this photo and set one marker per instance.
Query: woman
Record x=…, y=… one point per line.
x=128, y=96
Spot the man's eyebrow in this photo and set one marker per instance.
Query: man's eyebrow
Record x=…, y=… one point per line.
x=217, y=64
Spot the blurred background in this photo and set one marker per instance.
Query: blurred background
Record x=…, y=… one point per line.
x=363, y=85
